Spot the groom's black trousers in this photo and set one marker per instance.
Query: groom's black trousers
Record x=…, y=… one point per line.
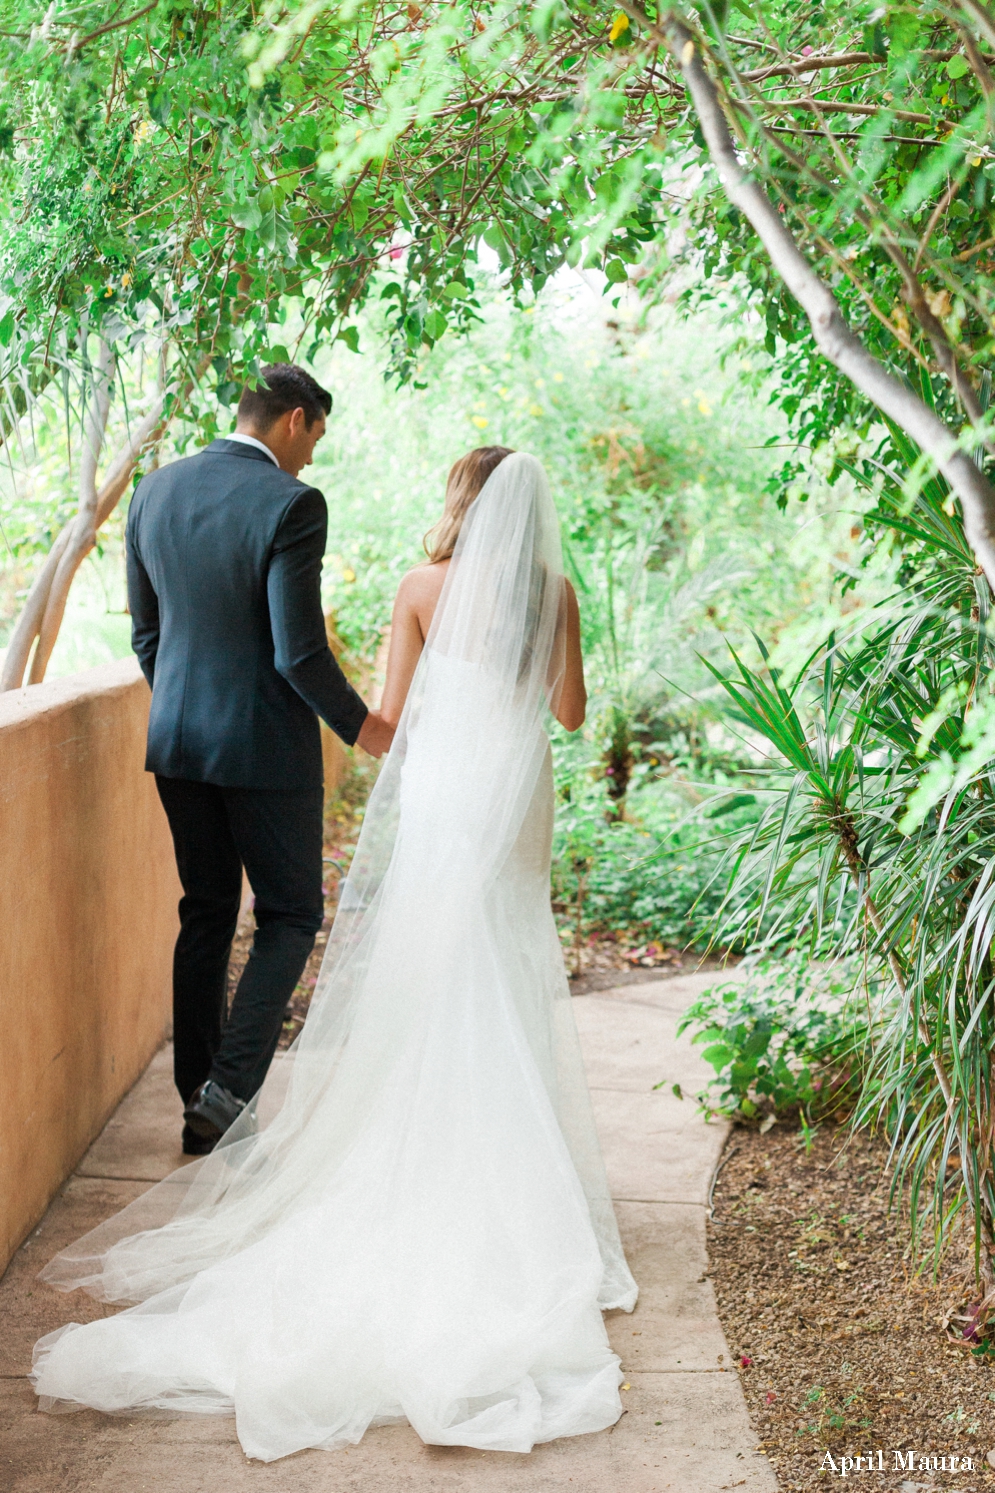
x=276, y=835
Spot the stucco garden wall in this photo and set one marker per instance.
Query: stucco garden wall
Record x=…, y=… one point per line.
x=88, y=895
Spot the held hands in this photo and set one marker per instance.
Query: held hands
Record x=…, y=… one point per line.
x=375, y=736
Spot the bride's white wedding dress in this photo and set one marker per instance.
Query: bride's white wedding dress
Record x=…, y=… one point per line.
x=422, y=1230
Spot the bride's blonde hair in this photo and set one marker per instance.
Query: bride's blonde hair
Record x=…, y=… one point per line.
x=466, y=478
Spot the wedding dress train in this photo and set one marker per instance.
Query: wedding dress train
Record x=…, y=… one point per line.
x=422, y=1230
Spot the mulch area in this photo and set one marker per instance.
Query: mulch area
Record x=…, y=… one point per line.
x=608, y=970
x=605, y=961
x=841, y=1345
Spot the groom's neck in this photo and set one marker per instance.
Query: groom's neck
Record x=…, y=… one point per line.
x=244, y=428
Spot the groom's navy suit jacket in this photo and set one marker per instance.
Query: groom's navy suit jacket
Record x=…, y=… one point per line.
x=224, y=569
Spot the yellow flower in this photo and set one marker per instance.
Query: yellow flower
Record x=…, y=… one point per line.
x=536, y=410
x=348, y=575
x=481, y=421
x=620, y=24
x=126, y=280
x=557, y=378
x=704, y=407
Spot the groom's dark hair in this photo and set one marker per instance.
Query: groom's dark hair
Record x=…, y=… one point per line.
x=286, y=387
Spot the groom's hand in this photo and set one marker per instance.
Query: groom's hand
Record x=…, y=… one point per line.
x=375, y=736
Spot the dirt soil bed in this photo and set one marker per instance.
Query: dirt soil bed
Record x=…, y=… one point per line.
x=839, y=1344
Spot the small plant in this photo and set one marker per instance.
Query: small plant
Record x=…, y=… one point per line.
x=783, y=1039
x=651, y=879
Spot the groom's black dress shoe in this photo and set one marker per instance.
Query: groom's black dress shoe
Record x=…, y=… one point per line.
x=212, y=1110
x=196, y=1145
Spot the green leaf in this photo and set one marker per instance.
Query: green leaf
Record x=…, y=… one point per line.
x=350, y=336
x=713, y=14
x=247, y=215
x=616, y=272
x=958, y=66
x=874, y=38
x=159, y=105
x=267, y=229
x=7, y=329
x=903, y=29
x=435, y=324
x=738, y=801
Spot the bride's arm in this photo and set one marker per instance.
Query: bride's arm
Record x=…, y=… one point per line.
x=570, y=703
x=406, y=643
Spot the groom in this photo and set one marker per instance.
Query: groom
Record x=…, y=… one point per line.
x=224, y=554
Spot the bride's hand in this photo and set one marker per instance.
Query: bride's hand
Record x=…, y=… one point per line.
x=375, y=736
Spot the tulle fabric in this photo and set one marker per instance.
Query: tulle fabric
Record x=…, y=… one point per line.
x=412, y=1220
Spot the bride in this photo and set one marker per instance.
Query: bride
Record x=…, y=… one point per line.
x=412, y=1220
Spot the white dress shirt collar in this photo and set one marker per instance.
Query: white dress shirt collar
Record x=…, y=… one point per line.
x=250, y=440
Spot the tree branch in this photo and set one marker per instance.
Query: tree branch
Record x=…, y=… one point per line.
x=44, y=608
x=979, y=66
x=112, y=26
x=82, y=530
x=810, y=65
x=981, y=17
x=833, y=336
x=782, y=106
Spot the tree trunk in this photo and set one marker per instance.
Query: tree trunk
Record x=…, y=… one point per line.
x=45, y=606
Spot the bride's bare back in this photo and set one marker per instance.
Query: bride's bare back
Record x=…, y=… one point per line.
x=414, y=607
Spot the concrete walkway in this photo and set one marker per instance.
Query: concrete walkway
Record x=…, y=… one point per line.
x=685, y=1426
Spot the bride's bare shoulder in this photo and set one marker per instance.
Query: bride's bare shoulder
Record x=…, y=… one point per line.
x=423, y=583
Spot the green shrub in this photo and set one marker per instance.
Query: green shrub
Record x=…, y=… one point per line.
x=646, y=877
x=785, y=1038
x=657, y=874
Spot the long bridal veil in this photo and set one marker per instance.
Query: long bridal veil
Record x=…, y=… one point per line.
x=413, y=1218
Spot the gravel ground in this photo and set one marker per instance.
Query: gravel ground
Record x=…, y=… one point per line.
x=840, y=1344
